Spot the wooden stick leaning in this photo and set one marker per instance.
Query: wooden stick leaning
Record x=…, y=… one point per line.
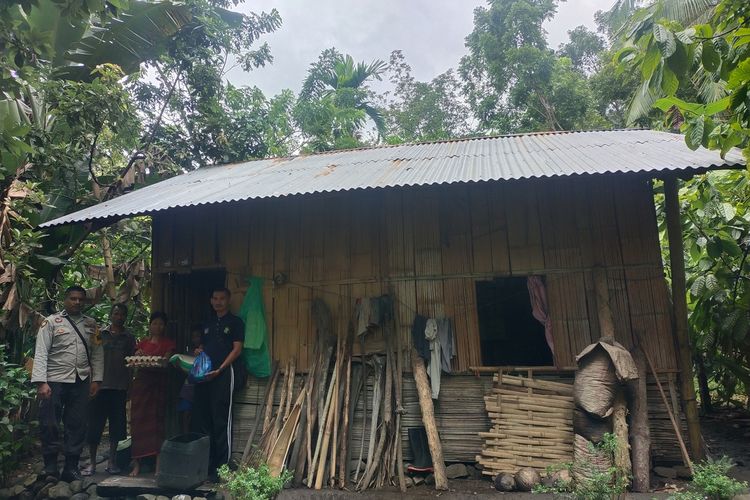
x=396, y=331
x=260, y=412
x=364, y=412
x=321, y=463
x=685, y=457
x=344, y=442
x=385, y=428
x=428, y=419
x=336, y=406
x=377, y=390
x=298, y=457
x=280, y=449
x=269, y=399
x=321, y=430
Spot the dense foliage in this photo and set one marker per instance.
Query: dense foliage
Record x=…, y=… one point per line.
x=692, y=60
x=15, y=399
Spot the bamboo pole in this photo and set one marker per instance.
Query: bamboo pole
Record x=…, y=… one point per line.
x=343, y=472
x=269, y=400
x=399, y=398
x=679, y=304
x=428, y=419
x=321, y=431
x=259, y=413
x=685, y=457
x=640, y=436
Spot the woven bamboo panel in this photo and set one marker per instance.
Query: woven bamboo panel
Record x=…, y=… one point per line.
x=532, y=424
x=428, y=247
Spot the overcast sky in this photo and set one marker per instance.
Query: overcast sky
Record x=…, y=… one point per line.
x=431, y=34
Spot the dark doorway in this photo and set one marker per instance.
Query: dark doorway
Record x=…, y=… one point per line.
x=509, y=335
x=186, y=301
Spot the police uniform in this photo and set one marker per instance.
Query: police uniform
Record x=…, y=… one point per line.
x=68, y=366
x=212, y=404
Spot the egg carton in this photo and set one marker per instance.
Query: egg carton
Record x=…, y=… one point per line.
x=146, y=361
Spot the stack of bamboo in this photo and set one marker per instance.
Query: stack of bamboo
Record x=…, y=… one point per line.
x=311, y=430
x=532, y=424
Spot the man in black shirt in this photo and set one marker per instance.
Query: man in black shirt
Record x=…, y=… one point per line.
x=223, y=336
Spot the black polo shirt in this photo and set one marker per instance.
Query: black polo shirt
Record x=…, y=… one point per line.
x=218, y=336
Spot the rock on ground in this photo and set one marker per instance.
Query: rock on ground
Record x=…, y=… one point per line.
x=455, y=471
x=667, y=472
x=60, y=490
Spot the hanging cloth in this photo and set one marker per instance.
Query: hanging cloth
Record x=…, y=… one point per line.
x=433, y=368
x=255, y=349
x=538, y=297
x=447, y=343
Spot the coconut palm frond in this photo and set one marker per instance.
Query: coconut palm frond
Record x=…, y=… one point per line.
x=377, y=117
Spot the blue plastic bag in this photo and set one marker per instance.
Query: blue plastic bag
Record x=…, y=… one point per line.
x=201, y=367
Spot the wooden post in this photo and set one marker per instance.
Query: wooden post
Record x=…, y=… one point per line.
x=428, y=419
x=679, y=305
x=640, y=435
x=620, y=430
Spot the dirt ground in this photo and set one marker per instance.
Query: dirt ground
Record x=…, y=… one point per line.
x=726, y=432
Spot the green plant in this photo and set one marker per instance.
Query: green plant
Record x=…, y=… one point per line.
x=15, y=397
x=598, y=483
x=253, y=483
x=591, y=482
x=710, y=481
x=560, y=487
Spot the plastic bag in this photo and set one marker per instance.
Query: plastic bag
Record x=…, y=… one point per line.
x=201, y=367
x=183, y=361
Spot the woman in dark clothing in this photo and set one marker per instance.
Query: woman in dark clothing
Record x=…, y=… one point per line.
x=149, y=395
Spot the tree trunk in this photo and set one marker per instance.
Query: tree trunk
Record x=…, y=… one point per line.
x=706, y=404
x=428, y=419
x=679, y=304
x=640, y=433
x=109, y=269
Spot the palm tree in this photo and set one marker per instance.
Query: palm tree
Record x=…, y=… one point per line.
x=336, y=76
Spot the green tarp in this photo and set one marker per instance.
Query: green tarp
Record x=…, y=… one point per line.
x=255, y=352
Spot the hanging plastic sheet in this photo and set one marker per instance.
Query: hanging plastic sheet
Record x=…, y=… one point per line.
x=255, y=350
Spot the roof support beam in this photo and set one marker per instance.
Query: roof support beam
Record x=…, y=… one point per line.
x=680, y=314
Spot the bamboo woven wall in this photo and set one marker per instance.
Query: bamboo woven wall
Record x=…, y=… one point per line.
x=427, y=246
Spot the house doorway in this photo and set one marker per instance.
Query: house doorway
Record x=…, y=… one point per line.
x=509, y=335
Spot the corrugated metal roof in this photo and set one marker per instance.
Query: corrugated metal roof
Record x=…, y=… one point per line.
x=470, y=160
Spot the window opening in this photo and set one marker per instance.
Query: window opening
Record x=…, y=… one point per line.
x=508, y=332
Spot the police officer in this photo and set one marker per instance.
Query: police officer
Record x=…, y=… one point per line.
x=68, y=367
x=222, y=340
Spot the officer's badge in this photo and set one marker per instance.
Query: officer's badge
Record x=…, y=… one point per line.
x=226, y=330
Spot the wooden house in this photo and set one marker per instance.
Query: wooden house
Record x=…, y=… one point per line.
x=450, y=230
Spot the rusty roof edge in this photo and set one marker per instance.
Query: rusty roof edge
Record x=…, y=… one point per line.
x=694, y=170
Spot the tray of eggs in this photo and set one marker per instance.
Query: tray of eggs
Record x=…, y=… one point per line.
x=146, y=361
